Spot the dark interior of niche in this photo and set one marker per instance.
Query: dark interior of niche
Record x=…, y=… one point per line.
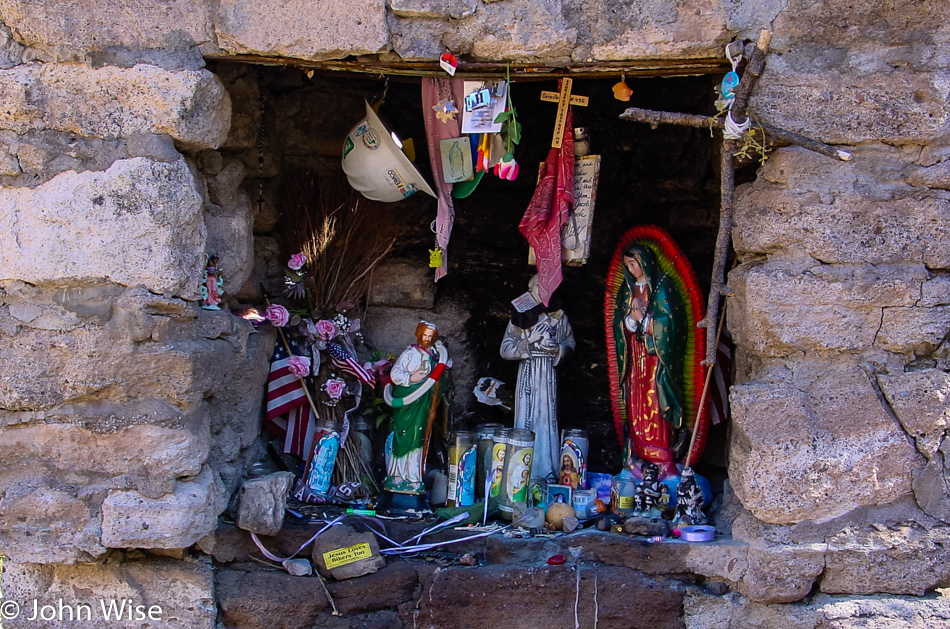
x=667, y=176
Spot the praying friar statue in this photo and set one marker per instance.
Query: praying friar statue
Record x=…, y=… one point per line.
x=540, y=337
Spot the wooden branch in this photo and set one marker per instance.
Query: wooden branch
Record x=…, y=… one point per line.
x=702, y=399
x=790, y=137
x=727, y=191
x=656, y=118
x=751, y=76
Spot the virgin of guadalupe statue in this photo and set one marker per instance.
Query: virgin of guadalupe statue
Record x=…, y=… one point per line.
x=652, y=305
x=540, y=337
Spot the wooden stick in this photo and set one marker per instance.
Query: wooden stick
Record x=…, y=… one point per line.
x=303, y=383
x=727, y=193
x=727, y=190
x=702, y=399
x=656, y=118
x=805, y=142
x=750, y=76
x=430, y=420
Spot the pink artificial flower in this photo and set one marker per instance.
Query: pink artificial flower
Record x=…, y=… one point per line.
x=334, y=388
x=326, y=329
x=380, y=367
x=297, y=261
x=507, y=168
x=299, y=366
x=277, y=315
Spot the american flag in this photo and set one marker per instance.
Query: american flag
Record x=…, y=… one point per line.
x=348, y=364
x=284, y=390
x=286, y=396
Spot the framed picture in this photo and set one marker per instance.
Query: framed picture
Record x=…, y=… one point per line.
x=560, y=493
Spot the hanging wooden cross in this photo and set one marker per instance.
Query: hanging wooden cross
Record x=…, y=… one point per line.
x=564, y=99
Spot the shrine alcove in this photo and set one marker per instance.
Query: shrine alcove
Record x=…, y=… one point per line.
x=287, y=121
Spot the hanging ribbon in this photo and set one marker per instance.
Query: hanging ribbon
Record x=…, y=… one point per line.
x=434, y=91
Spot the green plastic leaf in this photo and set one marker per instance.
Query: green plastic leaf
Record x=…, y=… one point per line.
x=514, y=132
x=505, y=115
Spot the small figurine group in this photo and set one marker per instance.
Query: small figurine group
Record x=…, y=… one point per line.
x=689, y=501
x=652, y=497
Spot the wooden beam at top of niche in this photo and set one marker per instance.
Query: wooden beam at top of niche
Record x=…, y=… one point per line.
x=492, y=69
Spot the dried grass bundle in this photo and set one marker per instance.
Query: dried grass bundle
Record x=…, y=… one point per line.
x=344, y=235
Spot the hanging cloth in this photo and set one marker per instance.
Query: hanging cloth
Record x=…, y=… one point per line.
x=548, y=211
x=434, y=90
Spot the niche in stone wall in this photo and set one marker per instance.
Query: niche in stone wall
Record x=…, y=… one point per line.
x=286, y=121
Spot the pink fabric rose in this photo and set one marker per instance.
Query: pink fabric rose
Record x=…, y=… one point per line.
x=507, y=168
x=299, y=366
x=380, y=368
x=297, y=261
x=277, y=315
x=335, y=388
x=326, y=329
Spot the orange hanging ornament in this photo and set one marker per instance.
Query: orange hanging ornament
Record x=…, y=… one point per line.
x=622, y=91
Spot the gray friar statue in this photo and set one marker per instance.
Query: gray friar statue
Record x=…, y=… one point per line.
x=540, y=337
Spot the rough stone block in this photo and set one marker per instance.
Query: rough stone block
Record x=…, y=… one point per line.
x=231, y=238
x=818, y=450
x=848, y=106
x=140, y=455
x=156, y=146
x=509, y=31
x=139, y=223
x=177, y=520
x=456, y=10
x=854, y=212
x=302, y=29
x=650, y=30
x=705, y=611
x=402, y=285
x=781, y=574
x=392, y=586
x=824, y=308
x=484, y=598
x=41, y=155
x=913, y=330
x=72, y=29
x=343, y=537
x=886, y=612
x=874, y=40
x=262, y=502
x=895, y=560
x=47, y=525
x=268, y=599
x=191, y=106
x=180, y=594
x=90, y=365
x=702, y=610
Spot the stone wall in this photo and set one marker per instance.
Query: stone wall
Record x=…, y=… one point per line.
x=127, y=413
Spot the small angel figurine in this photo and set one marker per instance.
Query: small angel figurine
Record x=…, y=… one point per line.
x=213, y=286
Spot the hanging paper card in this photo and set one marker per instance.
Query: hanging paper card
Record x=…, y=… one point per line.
x=456, y=160
x=575, y=235
x=524, y=302
x=484, y=100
